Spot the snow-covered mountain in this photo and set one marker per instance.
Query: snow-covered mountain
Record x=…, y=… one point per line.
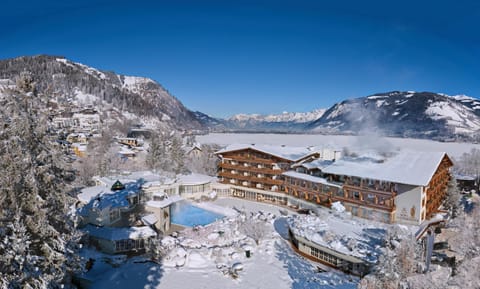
x=295, y=117
x=135, y=100
x=284, y=122
x=412, y=114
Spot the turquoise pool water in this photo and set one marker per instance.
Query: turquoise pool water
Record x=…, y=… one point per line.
x=186, y=214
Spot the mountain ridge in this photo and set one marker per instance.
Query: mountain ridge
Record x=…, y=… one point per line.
x=140, y=98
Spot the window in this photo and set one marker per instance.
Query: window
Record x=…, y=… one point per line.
x=114, y=215
x=128, y=244
x=355, y=211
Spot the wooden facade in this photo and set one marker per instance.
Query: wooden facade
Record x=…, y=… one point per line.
x=253, y=169
x=359, y=198
x=437, y=187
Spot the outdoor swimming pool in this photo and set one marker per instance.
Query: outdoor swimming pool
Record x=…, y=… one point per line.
x=186, y=214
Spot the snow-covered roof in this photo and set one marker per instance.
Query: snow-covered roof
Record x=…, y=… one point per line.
x=87, y=194
x=406, y=167
x=116, y=199
x=309, y=178
x=459, y=177
x=165, y=202
x=347, y=236
x=148, y=178
x=281, y=151
x=126, y=151
x=114, y=234
x=315, y=164
x=149, y=219
x=195, y=179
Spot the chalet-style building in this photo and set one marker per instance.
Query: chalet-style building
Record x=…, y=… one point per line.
x=406, y=187
x=259, y=166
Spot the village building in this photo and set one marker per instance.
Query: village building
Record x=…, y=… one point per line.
x=112, y=208
x=193, y=151
x=129, y=141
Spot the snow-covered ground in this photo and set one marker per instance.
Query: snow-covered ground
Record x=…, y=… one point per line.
x=201, y=257
x=338, y=141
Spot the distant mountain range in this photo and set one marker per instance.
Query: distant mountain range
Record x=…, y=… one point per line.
x=142, y=101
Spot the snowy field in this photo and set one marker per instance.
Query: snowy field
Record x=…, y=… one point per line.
x=201, y=258
x=338, y=141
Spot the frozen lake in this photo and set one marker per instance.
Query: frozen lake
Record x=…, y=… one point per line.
x=453, y=149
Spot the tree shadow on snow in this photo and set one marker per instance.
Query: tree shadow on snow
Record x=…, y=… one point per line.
x=133, y=274
x=304, y=273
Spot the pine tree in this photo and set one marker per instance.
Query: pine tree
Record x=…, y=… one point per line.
x=177, y=155
x=37, y=238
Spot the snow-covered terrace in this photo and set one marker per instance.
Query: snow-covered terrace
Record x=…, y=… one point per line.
x=194, y=179
x=351, y=237
x=165, y=202
x=405, y=167
x=281, y=151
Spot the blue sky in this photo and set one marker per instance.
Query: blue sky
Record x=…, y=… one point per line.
x=228, y=57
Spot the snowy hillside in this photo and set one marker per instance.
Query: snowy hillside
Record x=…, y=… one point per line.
x=404, y=114
x=131, y=99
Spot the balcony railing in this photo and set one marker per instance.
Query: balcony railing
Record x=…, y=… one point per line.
x=252, y=160
x=252, y=168
x=253, y=179
x=366, y=203
x=368, y=190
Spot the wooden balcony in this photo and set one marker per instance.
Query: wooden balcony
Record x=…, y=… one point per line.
x=250, y=169
x=252, y=160
x=372, y=190
x=364, y=203
x=252, y=179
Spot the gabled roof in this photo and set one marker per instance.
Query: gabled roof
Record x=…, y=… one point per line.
x=117, y=186
x=283, y=152
x=406, y=167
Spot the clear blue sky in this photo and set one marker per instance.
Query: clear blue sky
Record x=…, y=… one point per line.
x=227, y=57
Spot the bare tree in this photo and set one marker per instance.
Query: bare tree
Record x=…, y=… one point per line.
x=205, y=162
x=254, y=228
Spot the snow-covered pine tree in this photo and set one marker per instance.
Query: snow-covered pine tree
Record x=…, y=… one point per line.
x=177, y=155
x=452, y=201
x=156, y=153
x=37, y=239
